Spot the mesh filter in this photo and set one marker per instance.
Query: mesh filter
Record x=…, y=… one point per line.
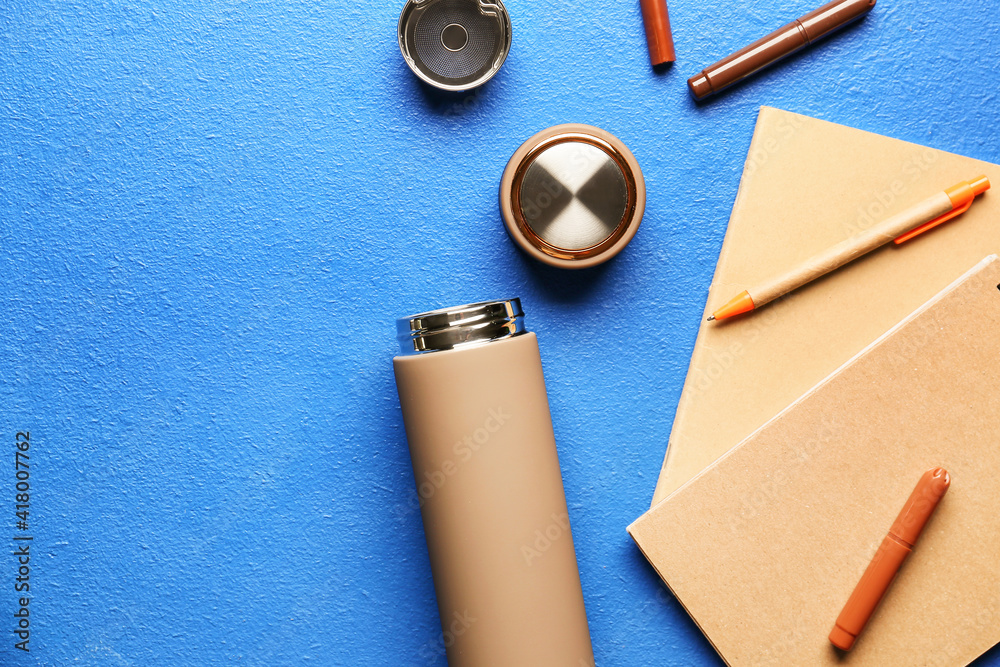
x=477, y=54
x=421, y=29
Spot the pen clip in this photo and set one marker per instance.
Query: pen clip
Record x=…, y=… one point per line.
x=934, y=223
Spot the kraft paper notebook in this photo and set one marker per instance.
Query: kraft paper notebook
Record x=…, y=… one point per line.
x=764, y=547
x=808, y=184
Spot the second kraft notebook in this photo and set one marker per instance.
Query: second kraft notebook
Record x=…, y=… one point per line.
x=807, y=185
x=765, y=546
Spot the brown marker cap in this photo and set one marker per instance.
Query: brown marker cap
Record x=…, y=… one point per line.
x=658, y=36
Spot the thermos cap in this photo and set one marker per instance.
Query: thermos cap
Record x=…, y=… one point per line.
x=460, y=326
x=572, y=196
x=454, y=44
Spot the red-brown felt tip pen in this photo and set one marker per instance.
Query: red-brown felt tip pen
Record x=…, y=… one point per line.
x=896, y=546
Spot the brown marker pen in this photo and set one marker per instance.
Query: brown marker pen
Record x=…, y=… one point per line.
x=896, y=546
x=779, y=44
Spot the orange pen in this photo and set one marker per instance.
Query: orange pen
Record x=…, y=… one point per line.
x=896, y=546
x=901, y=227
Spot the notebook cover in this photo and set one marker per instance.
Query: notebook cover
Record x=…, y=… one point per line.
x=764, y=547
x=808, y=184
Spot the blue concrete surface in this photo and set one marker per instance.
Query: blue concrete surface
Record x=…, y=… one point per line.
x=212, y=212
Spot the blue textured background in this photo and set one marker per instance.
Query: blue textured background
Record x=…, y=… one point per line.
x=211, y=214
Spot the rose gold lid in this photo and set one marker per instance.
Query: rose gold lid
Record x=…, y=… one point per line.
x=572, y=196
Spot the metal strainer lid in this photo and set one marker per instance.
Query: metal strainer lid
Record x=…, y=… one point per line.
x=454, y=44
x=572, y=196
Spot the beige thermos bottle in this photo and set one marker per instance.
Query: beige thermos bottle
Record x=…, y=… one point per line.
x=484, y=457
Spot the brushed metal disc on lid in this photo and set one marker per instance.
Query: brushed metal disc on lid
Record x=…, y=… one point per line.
x=572, y=196
x=454, y=44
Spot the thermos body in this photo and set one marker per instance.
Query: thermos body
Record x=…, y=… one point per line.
x=491, y=495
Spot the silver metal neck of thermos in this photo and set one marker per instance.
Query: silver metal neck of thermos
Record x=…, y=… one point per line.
x=461, y=326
